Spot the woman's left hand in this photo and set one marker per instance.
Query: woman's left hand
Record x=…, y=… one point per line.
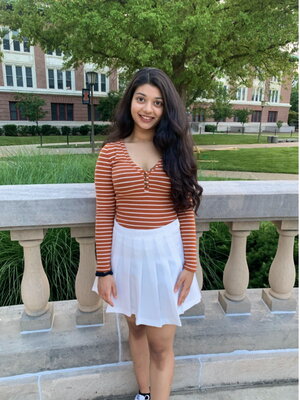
x=184, y=282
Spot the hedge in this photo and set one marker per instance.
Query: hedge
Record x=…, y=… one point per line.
x=47, y=130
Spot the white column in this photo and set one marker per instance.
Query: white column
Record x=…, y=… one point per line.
x=282, y=272
x=35, y=290
x=89, y=303
x=236, y=272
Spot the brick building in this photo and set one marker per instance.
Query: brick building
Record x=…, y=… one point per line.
x=276, y=107
x=27, y=69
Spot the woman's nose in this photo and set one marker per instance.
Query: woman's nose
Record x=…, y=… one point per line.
x=147, y=107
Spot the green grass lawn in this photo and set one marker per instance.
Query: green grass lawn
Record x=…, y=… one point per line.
x=276, y=160
x=217, y=138
x=12, y=140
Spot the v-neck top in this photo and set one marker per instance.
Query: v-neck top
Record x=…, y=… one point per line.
x=137, y=199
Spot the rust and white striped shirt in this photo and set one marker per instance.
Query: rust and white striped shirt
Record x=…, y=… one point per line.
x=138, y=199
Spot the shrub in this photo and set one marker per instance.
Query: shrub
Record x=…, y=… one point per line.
x=54, y=131
x=1, y=132
x=65, y=130
x=102, y=129
x=210, y=128
x=10, y=130
x=85, y=129
x=45, y=130
x=75, y=130
x=23, y=130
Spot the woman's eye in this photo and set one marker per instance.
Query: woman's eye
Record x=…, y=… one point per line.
x=159, y=103
x=140, y=99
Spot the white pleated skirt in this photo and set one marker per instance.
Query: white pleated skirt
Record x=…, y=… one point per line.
x=146, y=264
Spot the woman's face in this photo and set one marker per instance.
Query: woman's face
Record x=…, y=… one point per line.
x=146, y=106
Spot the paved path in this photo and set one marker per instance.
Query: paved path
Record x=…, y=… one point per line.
x=248, y=175
x=245, y=146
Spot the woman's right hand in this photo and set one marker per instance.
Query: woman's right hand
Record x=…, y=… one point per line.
x=106, y=288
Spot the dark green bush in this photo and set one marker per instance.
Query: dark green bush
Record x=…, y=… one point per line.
x=210, y=128
x=66, y=130
x=10, y=130
x=23, y=130
x=46, y=130
x=75, y=130
x=55, y=131
x=85, y=129
x=102, y=129
x=1, y=132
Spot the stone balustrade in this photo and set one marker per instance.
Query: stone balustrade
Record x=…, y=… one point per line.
x=27, y=211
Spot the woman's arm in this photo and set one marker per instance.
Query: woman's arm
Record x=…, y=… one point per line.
x=189, y=238
x=105, y=208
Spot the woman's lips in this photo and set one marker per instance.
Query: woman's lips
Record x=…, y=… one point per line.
x=145, y=119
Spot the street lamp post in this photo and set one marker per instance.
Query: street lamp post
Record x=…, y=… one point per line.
x=263, y=103
x=91, y=79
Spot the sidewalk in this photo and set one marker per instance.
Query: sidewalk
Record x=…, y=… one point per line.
x=248, y=175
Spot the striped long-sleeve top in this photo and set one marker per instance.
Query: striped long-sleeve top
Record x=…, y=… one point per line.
x=138, y=199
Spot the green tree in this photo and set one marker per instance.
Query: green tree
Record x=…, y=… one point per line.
x=108, y=104
x=243, y=115
x=221, y=108
x=31, y=107
x=295, y=94
x=195, y=42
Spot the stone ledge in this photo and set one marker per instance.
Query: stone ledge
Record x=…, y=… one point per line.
x=191, y=373
x=66, y=346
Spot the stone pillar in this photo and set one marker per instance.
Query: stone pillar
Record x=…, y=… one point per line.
x=236, y=273
x=199, y=309
x=282, y=272
x=90, y=305
x=35, y=290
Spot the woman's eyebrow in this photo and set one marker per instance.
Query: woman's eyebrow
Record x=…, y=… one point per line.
x=146, y=95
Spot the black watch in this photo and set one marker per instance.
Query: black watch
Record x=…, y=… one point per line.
x=98, y=273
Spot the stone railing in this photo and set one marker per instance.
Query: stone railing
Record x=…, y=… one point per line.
x=27, y=211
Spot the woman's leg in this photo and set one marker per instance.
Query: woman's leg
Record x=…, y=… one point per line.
x=139, y=350
x=161, y=360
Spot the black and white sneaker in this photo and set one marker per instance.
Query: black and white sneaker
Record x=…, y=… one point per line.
x=142, y=397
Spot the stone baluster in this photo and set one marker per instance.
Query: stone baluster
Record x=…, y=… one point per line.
x=199, y=309
x=236, y=273
x=90, y=305
x=282, y=272
x=35, y=290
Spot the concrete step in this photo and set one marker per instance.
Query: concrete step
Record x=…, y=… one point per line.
x=284, y=392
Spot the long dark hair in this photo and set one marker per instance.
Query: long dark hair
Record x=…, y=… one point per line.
x=172, y=137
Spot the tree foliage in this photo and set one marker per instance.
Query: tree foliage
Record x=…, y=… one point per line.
x=221, y=107
x=31, y=106
x=108, y=104
x=194, y=41
x=243, y=116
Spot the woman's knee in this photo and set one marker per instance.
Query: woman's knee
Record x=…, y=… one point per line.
x=135, y=330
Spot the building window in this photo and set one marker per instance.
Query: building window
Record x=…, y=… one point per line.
x=272, y=116
x=68, y=80
x=51, y=78
x=241, y=93
x=19, y=76
x=26, y=45
x=257, y=94
x=16, y=42
x=236, y=118
x=54, y=53
x=28, y=73
x=9, y=75
x=6, y=44
x=60, y=82
x=256, y=116
x=273, y=96
x=198, y=116
x=15, y=112
x=103, y=83
x=96, y=112
x=61, y=112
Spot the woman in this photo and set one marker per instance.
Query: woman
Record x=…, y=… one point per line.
x=146, y=194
